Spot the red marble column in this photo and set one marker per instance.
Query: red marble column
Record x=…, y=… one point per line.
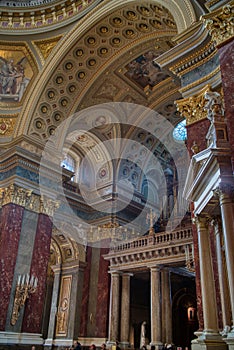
x=227, y=69
x=10, y=228
x=34, y=306
x=102, y=296
x=85, y=294
x=197, y=132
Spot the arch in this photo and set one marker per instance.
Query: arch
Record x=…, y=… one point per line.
x=182, y=11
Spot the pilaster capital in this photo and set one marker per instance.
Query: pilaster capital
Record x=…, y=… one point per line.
x=114, y=273
x=225, y=192
x=48, y=205
x=202, y=221
x=15, y=195
x=192, y=108
x=217, y=224
x=220, y=24
x=154, y=268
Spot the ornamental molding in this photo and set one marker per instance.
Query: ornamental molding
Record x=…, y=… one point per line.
x=15, y=195
x=7, y=126
x=43, y=18
x=194, y=60
x=214, y=79
x=23, y=197
x=151, y=250
x=48, y=205
x=45, y=46
x=220, y=24
x=192, y=108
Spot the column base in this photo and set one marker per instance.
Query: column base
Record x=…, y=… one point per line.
x=124, y=345
x=11, y=338
x=229, y=340
x=157, y=345
x=208, y=341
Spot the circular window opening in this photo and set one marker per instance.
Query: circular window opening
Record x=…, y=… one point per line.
x=180, y=132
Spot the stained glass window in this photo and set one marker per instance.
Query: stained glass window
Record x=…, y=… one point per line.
x=180, y=132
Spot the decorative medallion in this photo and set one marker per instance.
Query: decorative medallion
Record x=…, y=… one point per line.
x=6, y=126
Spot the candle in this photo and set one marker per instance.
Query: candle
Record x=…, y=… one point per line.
x=35, y=282
x=32, y=280
x=22, y=280
x=19, y=278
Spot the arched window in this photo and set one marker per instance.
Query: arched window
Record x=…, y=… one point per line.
x=70, y=163
x=180, y=132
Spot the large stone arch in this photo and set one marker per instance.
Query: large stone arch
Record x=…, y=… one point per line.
x=183, y=14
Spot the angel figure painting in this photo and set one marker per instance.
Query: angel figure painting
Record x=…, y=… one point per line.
x=13, y=80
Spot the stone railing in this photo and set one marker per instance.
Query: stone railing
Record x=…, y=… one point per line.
x=167, y=248
x=157, y=239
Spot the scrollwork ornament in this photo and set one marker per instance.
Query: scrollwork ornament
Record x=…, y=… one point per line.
x=221, y=24
x=15, y=195
x=48, y=205
x=192, y=108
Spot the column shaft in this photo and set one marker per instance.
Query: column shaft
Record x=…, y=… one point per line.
x=114, y=308
x=125, y=309
x=228, y=229
x=166, y=308
x=223, y=283
x=155, y=307
x=207, y=278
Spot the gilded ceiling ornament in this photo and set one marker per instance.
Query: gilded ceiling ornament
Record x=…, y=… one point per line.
x=44, y=47
x=220, y=23
x=6, y=126
x=192, y=108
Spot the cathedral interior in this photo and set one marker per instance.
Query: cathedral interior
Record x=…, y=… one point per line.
x=116, y=174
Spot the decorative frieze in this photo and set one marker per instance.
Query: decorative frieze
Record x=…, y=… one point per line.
x=25, y=198
x=220, y=24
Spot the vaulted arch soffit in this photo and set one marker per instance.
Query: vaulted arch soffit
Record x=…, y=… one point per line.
x=112, y=31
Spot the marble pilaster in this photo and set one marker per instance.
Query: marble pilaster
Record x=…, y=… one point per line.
x=54, y=301
x=11, y=221
x=40, y=258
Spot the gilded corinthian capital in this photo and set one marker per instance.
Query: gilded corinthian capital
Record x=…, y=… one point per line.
x=192, y=108
x=48, y=205
x=15, y=195
x=220, y=23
